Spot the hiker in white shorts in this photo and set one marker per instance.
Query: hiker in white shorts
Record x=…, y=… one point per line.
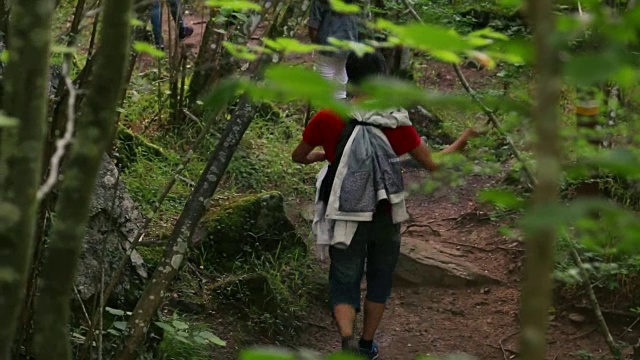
x=325, y=23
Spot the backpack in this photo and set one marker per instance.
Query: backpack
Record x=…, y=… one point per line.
x=327, y=181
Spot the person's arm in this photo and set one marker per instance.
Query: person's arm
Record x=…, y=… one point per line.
x=304, y=154
x=461, y=142
x=422, y=153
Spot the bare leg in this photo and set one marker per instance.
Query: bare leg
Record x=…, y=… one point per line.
x=372, y=316
x=345, y=317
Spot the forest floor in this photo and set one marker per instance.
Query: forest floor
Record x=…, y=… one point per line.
x=481, y=321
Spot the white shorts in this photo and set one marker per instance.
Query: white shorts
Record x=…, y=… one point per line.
x=333, y=69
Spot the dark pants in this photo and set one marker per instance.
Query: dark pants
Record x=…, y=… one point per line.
x=156, y=19
x=377, y=242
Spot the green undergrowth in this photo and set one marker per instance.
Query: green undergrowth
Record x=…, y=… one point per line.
x=186, y=338
x=269, y=291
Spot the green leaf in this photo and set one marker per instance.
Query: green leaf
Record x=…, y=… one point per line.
x=343, y=356
x=183, y=339
x=212, y=338
x=341, y=7
x=385, y=93
x=179, y=325
x=446, y=56
x=620, y=161
x=427, y=37
x=357, y=47
x=4, y=55
x=199, y=340
x=589, y=69
x=135, y=22
x=166, y=327
x=287, y=83
x=7, y=121
x=501, y=198
x=115, y=312
x=510, y=4
x=237, y=5
x=267, y=354
x=121, y=325
x=489, y=33
x=240, y=51
x=143, y=47
x=293, y=46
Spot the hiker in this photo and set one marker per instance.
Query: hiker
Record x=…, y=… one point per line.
x=156, y=22
x=360, y=201
x=324, y=23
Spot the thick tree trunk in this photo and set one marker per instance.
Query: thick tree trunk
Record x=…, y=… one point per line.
x=536, y=293
x=25, y=98
x=186, y=225
x=55, y=130
x=95, y=126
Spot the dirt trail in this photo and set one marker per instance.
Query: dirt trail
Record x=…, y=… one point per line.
x=474, y=320
x=481, y=321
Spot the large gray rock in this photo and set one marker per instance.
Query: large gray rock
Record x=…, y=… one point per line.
x=112, y=226
x=423, y=263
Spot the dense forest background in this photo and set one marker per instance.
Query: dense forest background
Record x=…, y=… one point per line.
x=149, y=208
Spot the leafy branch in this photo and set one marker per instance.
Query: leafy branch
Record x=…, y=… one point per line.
x=492, y=118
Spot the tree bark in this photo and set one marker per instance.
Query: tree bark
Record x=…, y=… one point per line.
x=25, y=96
x=186, y=226
x=95, y=126
x=55, y=129
x=536, y=294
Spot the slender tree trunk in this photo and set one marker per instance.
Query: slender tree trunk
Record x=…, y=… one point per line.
x=26, y=88
x=536, y=294
x=203, y=66
x=95, y=125
x=186, y=225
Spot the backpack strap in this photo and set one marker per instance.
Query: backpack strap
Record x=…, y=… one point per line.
x=327, y=182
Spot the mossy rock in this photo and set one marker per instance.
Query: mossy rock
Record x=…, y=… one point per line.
x=131, y=146
x=250, y=225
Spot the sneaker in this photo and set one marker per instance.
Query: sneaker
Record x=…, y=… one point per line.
x=350, y=346
x=186, y=32
x=372, y=353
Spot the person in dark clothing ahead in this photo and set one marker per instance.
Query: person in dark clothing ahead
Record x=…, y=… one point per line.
x=360, y=201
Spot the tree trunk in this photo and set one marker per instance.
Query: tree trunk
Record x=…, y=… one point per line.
x=95, y=125
x=186, y=225
x=536, y=293
x=26, y=94
x=203, y=64
x=55, y=129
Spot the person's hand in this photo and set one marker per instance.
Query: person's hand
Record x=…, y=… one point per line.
x=470, y=133
x=316, y=156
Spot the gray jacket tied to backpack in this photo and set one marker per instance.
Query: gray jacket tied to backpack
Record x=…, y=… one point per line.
x=367, y=172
